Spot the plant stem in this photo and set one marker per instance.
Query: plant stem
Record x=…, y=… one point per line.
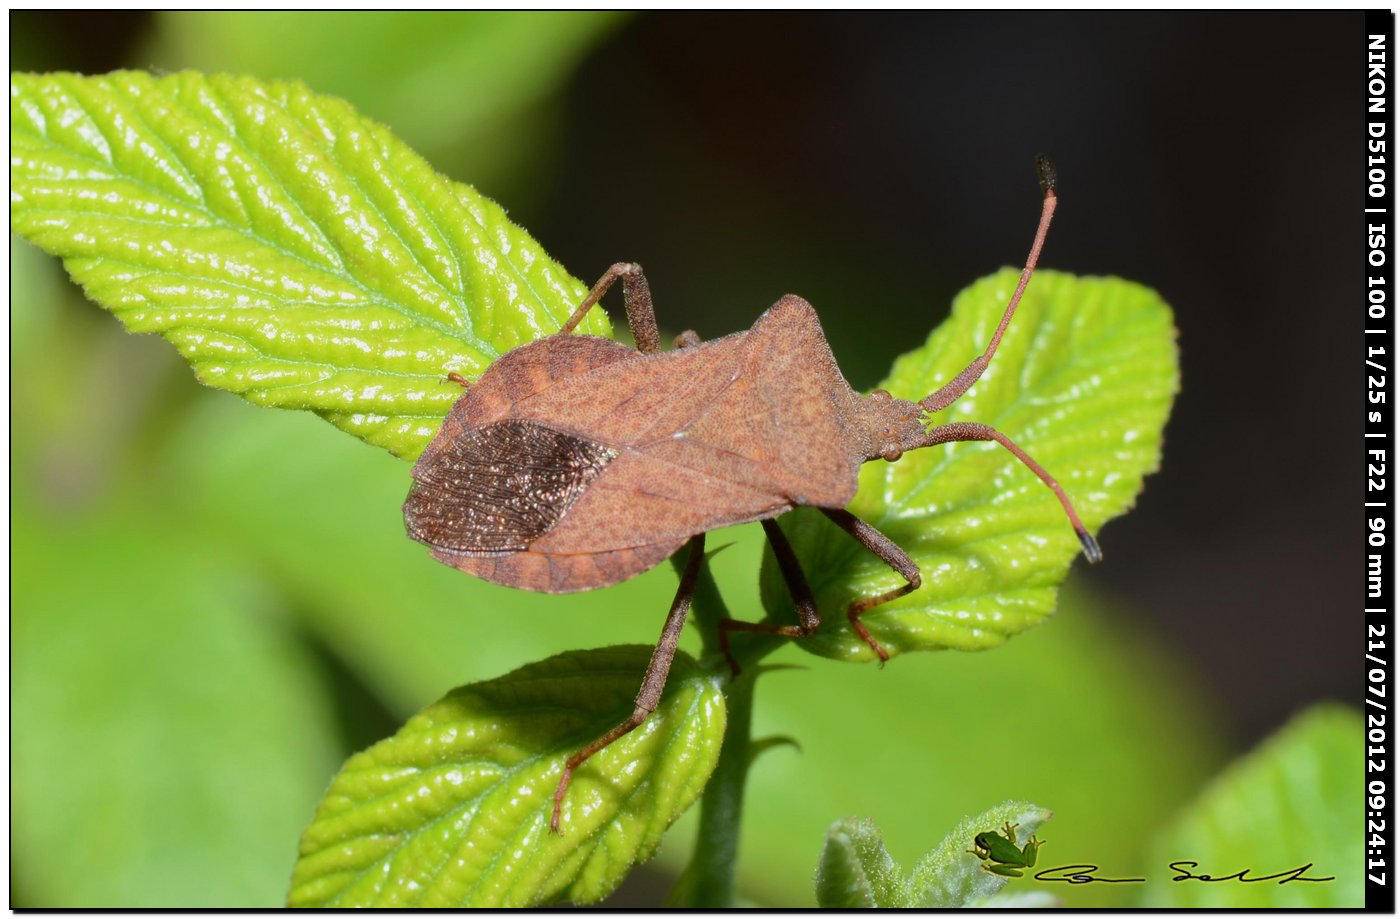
x=707, y=608
x=708, y=881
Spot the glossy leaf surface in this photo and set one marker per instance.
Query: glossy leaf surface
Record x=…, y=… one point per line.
x=295, y=252
x=454, y=809
x=1083, y=382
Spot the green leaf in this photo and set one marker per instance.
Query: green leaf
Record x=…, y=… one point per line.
x=454, y=809
x=1296, y=800
x=1083, y=382
x=856, y=871
x=293, y=251
x=951, y=876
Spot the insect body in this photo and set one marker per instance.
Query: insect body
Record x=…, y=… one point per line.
x=1001, y=853
x=575, y=462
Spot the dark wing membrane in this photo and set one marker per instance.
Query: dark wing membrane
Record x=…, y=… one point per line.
x=497, y=488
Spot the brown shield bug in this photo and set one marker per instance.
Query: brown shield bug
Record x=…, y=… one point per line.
x=575, y=462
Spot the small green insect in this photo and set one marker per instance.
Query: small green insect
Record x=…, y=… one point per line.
x=1001, y=849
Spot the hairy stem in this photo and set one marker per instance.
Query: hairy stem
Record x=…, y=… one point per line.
x=708, y=881
x=707, y=607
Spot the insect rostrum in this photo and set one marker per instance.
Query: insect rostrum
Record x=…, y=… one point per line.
x=575, y=462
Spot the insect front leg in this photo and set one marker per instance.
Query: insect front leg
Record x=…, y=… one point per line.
x=636, y=295
x=797, y=585
x=891, y=555
x=649, y=696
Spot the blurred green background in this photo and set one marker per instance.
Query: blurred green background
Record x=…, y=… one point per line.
x=213, y=604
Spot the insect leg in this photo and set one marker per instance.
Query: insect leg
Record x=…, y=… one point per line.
x=641, y=316
x=655, y=680
x=968, y=430
x=960, y=384
x=797, y=585
x=687, y=339
x=455, y=377
x=891, y=555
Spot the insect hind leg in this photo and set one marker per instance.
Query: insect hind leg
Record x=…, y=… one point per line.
x=889, y=553
x=808, y=617
x=636, y=295
x=653, y=684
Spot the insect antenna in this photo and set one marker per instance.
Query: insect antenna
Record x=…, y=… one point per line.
x=954, y=388
x=960, y=384
x=967, y=430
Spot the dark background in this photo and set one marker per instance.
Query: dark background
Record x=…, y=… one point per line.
x=876, y=164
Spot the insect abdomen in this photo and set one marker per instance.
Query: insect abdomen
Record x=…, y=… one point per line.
x=498, y=488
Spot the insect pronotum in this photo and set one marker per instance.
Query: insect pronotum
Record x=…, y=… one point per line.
x=575, y=462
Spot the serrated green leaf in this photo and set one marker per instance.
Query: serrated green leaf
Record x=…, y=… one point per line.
x=1295, y=801
x=293, y=251
x=1083, y=382
x=454, y=809
x=857, y=872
